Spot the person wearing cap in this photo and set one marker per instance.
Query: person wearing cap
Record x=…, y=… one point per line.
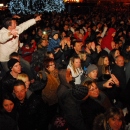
x=92, y=74
x=8, y=80
x=70, y=102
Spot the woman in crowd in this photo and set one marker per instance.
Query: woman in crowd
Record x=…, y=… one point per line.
x=96, y=103
x=49, y=93
x=104, y=74
x=8, y=114
x=76, y=70
x=113, y=119
x=103, y=67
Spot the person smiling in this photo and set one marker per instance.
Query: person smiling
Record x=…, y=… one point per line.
x=113, y=119
x=96, y=103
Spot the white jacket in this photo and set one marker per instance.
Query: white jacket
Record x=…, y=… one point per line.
x=77, y=75
x=8, y=44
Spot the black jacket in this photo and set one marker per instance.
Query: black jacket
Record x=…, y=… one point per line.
x=7, y=83
x=72, y=112
x=7, y=123
x=33, y=113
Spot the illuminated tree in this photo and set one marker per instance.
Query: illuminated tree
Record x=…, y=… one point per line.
x=54, y=5
x=35, y=6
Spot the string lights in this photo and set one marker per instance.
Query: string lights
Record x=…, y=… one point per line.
x=35, y=6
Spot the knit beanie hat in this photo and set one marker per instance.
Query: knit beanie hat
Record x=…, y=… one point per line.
x=11, y=63
x=91, y=68
x=79, y=92
x=54, y=32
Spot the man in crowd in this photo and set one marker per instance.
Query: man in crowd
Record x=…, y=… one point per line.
x=11, y=76
x=31, y=109
x=9, y=37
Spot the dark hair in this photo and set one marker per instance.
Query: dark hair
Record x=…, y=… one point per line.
x=98, y=38
x=19, y=82
x=46, y=62
x=89, y=83
x=77, y=41
x=111, y=54
x=6, y=96
x=14, y=54
x=7, y=22
x=88, y=41
x=101, y=121
x=47, y=54
x=115, y=111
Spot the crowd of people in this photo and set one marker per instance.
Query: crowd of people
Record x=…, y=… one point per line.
x=66, y=71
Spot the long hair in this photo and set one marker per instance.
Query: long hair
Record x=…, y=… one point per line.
x=72, y=63
x=112, y=55
x=111, y=113
x=101, y=63
x=101, y=121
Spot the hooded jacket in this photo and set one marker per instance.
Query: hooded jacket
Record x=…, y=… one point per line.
x=106, y=41
x=63, y=83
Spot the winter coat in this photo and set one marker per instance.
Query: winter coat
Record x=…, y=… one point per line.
x=72, y=112
x=37, y=58
x=7, y=123
x=106, y=41
x=7, y=83
x=63, y=83
x=53, y=44
x=27, y=52
x=32, y=112
x=93, y=107
x=76, y=75
x=119, y=72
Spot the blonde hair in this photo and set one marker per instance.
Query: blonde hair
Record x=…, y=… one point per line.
x=72, y=64
x=22, y=76
x=82, y=54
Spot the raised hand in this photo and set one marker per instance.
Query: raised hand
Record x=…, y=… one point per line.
x=115, y=80
x=108, y=84
x=38, y=18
